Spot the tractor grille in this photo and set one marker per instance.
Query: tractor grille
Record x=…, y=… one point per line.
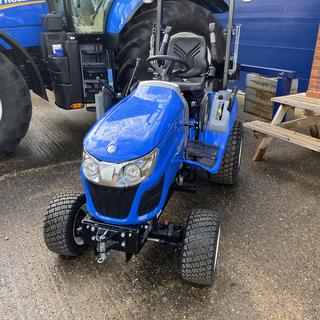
x=151, y=198
x=112, y=202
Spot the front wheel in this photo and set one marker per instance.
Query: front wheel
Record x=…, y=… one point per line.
x=61, y=223
x=200, y=247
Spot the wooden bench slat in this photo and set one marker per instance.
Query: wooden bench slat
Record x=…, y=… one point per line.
x=285, y=134
x=301, y=122
x=299, y=100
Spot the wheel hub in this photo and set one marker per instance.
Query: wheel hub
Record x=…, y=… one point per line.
x=77, y=221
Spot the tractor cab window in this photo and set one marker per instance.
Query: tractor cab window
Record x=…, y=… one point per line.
x=57, y=6
x=87, y=15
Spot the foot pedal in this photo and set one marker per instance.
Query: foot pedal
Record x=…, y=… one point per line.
x=202, y=153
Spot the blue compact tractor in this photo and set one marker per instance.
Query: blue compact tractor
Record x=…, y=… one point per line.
x=150, y=144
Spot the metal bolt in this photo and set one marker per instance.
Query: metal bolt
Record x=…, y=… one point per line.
x=130, y=235
x=88, y=226
x=92, y=229
x=123, y=244
x=123, y=235
x=93, y=238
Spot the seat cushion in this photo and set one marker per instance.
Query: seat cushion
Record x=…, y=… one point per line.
x=192, y=49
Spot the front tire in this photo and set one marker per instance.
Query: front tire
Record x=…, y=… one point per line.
x=15, y=106
x=134, y=41
x=200, y=247
x=61, y=221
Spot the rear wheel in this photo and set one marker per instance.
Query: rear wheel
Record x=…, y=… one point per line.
x=199, y=254
x=61, y=223
x=15, y=106
x=230, y=167
x=134, y=41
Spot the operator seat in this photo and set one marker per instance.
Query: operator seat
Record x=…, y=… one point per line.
x=192, y=49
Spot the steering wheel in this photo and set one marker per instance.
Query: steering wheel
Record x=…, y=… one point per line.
x=166, y=71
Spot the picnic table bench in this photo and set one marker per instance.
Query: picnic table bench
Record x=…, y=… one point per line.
x=285, y=130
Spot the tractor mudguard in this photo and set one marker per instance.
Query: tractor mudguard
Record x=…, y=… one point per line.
x=119, y=12
x=219, y=139
x=34, y=74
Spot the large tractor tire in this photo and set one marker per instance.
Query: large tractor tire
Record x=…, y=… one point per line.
x=134, y=40
x=15, y=106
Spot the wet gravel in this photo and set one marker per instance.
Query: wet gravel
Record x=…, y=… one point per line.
x=270, y=244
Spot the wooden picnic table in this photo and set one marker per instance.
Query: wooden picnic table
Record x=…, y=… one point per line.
x=285, y=130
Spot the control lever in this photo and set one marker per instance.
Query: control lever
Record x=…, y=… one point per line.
x=165, y=40
x=152, y=51
x=138, y=60
x=232, y=98
x=153, y=40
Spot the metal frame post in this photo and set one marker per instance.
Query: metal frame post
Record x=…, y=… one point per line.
x=159, y=24
x=228, y=46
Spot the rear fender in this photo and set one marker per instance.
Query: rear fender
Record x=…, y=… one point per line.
x=119, y=12
x=34, y=74
x=218, y=139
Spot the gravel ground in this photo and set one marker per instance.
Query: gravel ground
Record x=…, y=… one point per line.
x=270, y=245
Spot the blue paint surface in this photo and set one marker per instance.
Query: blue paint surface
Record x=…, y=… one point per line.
x=278, y=34
x=23, y=22
x=120, y=12
x=136, y=125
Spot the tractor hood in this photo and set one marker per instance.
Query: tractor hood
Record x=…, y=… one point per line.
x=137, y=124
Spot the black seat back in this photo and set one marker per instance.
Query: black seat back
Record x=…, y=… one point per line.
x=192, y=49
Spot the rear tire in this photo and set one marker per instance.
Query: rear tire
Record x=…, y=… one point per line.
x=63, y=216
x=199, y=252
x=15, y=106
x=230, y=167
x=134, y=41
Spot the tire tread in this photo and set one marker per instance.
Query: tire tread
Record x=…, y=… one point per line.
x=229, y=171
x=18, y=109
x=58, y=223
x=199, y=247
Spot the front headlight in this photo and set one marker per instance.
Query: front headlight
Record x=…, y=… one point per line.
x=121, y=175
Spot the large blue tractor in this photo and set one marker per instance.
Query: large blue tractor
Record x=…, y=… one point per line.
x=153, y=141
x=80, y=48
